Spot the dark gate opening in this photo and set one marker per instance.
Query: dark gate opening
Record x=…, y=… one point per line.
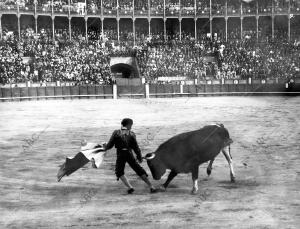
x=123, y=70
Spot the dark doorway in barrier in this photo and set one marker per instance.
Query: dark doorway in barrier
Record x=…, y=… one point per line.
x=124, y=70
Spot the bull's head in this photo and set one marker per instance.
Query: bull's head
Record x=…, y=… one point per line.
x=156, y=166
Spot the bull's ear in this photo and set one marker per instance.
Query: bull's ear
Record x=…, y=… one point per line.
x=149, y=156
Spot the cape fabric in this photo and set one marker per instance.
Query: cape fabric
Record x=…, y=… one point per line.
x=88, y=152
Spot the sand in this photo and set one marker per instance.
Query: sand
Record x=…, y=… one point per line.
x=36, y=136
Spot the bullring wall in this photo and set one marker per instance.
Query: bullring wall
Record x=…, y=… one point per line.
x=145, y=91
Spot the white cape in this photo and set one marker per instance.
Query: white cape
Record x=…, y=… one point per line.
x=92, y=150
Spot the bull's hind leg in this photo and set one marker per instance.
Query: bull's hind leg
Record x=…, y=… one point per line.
x=195, y=172
x=226, y=153
x=170, y=178
x=209, y=167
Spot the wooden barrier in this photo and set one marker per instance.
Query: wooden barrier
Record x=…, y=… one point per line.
x=200, y=88
x=224, y=88
x=160, y=90
x=209, y=88
x=108, y=91
x=231, y=87
x=240, y=88
x=249, y=87
x=58, y=91
x=124, y=91
x=66, y=92
x=169, y=88
x=99, y=90
x=74, y=92
x=128, y=82
x=185, y=89
x=217, y=87
x=41, y=91
x=176, y=89
x=155, y=90
x=192, y=90
x=32, y=92
x=91, y=90
x=152, y=89
x=138, y=90
x=83, y=90
x=50, y=92
x=15, y=92
x=24, y=92
x=6, y=92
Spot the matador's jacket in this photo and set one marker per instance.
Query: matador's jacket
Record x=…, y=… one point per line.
x=124, y=141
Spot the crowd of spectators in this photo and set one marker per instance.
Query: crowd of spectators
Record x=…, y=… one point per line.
x=220, y=60
x=39, y=58
x=273, y=59
x=49, y=61
x=89, y=62
x=156, y=6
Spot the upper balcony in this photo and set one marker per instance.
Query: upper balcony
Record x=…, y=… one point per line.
x=109, y=7
x=157, y=8
x=125, y=7
x=233, y=8
x=202, y=8
x=141, y=8
x=172, y=8
x=265, y=7
x=187, y=7
x=128, y=8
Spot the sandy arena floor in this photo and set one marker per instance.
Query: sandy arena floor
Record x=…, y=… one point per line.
x=36, y=136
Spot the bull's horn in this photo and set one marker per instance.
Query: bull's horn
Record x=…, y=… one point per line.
x=149, y=156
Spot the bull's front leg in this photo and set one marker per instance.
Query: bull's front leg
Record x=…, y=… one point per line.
x=226, y=153
x=170, y=178
x=209, y=167
x=195, y=172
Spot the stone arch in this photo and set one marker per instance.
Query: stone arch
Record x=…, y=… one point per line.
x=125, y=66
x=126, y=70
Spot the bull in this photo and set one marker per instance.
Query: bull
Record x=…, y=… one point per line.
x=184, y=153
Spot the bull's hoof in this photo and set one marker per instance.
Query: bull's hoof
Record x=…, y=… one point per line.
x=208, y=171
x=194, y=191
x=162, y=188
x=232, y=178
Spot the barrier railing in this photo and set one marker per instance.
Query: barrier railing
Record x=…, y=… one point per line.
x=212, y=88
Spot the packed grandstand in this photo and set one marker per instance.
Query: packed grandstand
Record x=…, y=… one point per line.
x=73, y=41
